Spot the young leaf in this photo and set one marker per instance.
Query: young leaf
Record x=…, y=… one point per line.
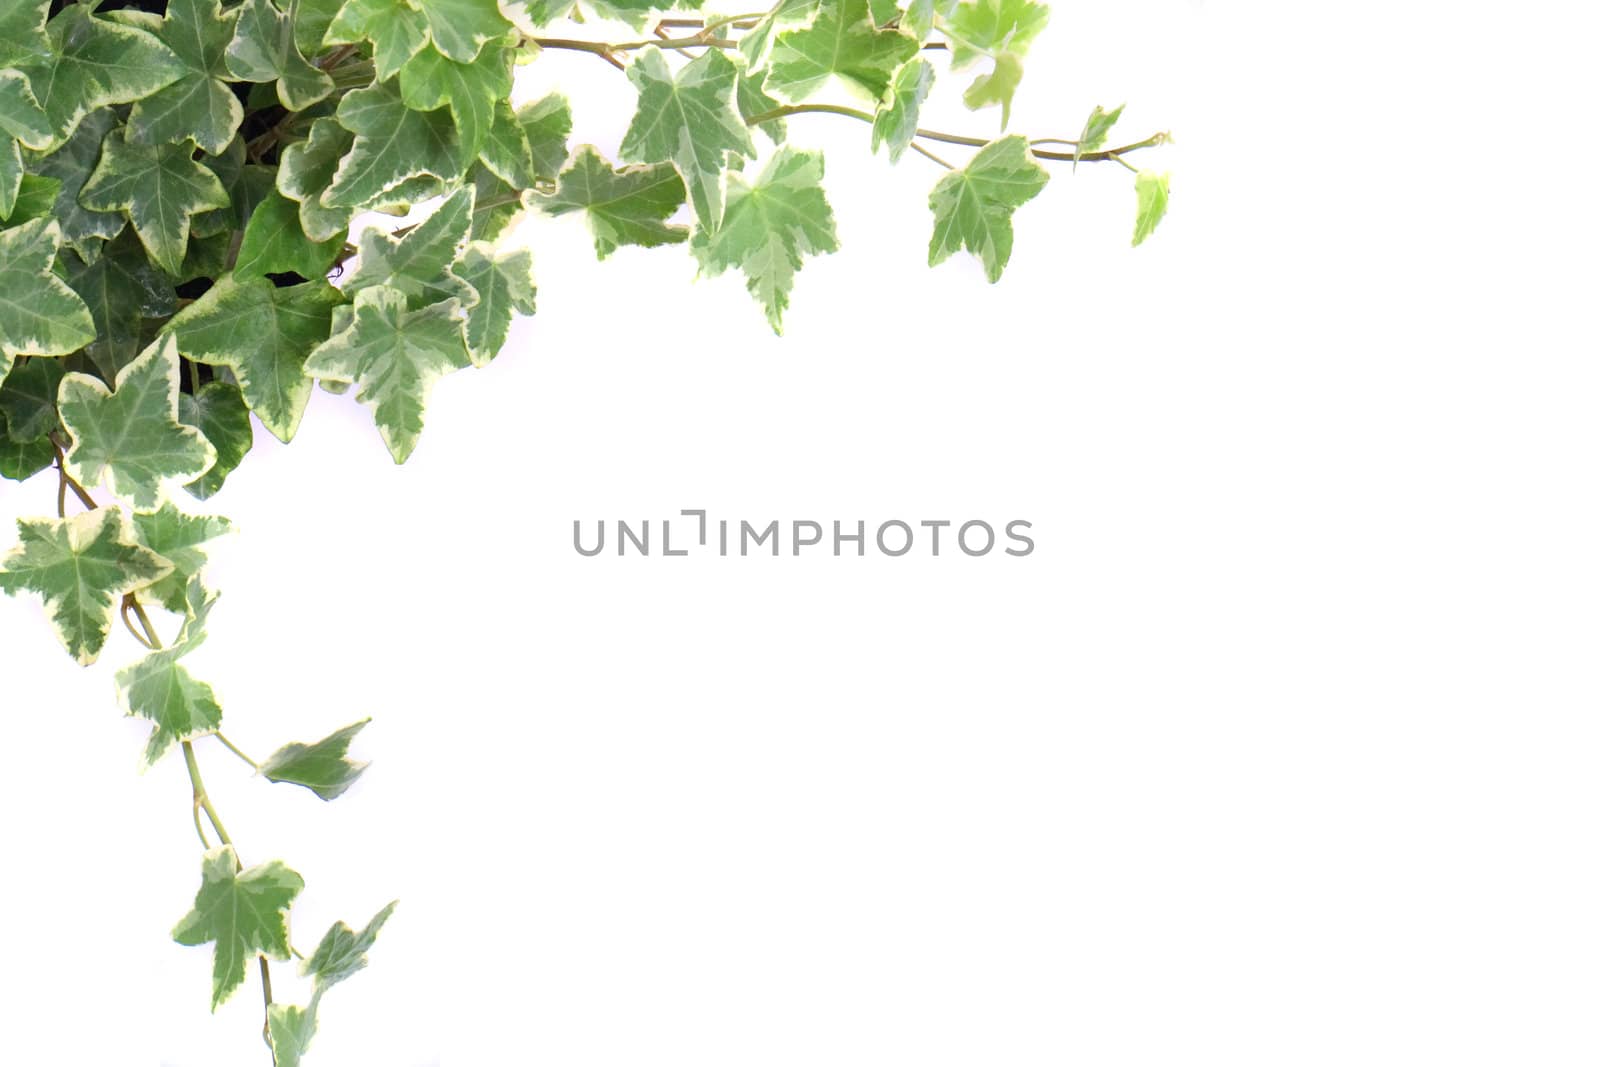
x=28, y=398
x=177, y=537
x=625, y=207
x=162, y=690
x=290, y=1029
x=122, y=289
x=972, y=207
x=503, y=282
x=274, y=242
x=81, y=566
x=218, y=410
x=322, y=767
x=263, y=49
x=418, y=264
x=842, y=40
x=71, y=165
x=342, y=952
x=771, y=227
x=394, y=356
x=263, y=334
x=996, y=87
x=895, y=124
x=1096, y=128
x=1152, y=191
x=160, y=187
x=392, y=143
x=132, y=438
x=690, y=121
x=39, y=315
x=470, y=90
x=198, y=106
x=244, y=912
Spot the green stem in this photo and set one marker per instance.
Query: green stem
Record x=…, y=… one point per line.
x=231, y=747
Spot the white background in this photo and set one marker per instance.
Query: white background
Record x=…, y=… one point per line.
x=1279, y=750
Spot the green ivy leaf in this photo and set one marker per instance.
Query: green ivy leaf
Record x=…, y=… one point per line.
x=306, y=168
x=121, y=289
x=460, y=28
x=275, y=243
x=311, y=21
x=625, y=207
x=71, y=165
x=179, y=538
x=262, y=334
x=842, y=40
x=469, y=90
x=972, y=207
x=323, y=767
x=921, y=15
x=988, y=27
x=160, y=187
x=218, y=410
x=688, y=120
x=28, y=398
x=22, y=117
x=1152, y=191
x=418, y=263
x=199, y=106
x=21, y=460
x=263, y=50
x=132, y=438
x=392, y=143
x=244, y=912
x=91, y=63
x=393, y=356
x=503, y=282
x=34, y=198
x=342, y=952
x=81, y=566
x=1095, y=130
x=753, y=101
x=771, y=227
x=22, y=31
x=895, y=124
x=39, y=315
x=396, y=29
x=996, y=87
x=754, y=42
x=161, y=689
x=547, y=123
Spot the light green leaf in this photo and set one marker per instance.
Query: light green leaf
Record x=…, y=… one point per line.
x=842, y=40
x=290, y=1029
x=470, y=90
x=162, y=690
x=921, y=15
x=122, y=289
x=896, y=121
x=72, y=164
x=771, y=227
x=275, y=243
x=199, y=106
x=503, y=282
x=418, y=264
x=263, y=49
x=989, y=27
x=1095, y=130
x=179, y=538
x=34, y=198
x=323, y=767
x=39, y=315
x=160, y=187
x=131, y=438
x=460, y=28
x=396, y=29
x=263, y=334
x=81, y=566
x=754, y=42
x=28, y=398
x=92, y=62
x=394, y=356
x=690, y=121
x=392, y=143
x=1152, y=191
x=754, y=102
x=999, y=86
x=244, y=912
x=342, y=952
x=218, y=410
x=625, y=207
x=22, y=117
x=972, y=207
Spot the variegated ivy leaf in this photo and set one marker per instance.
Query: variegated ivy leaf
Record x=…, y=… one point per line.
x=160, y=187
x=418, y=263
x=323, y=767
x=754, y=102
x=81, y=566
x=122, y=290
x=770, y=227
x=290, y=1029
x=842, y=40
x=22, y=117
x=398, y=29
x=1096, y=128
x=275, y=242
x=394, y=356
x=624, y=207
x=688, y=120
x=71, y=165
x=1152, y=192
x=217, y=410
x=131, y=438
x=895, y=124
x=263, y=49
x=161, y=689
x=199, y=106
x=470, y=90
x=921, y=15
x=21, y=460
x=179, y=538
x=90, y=62
x=999, y=86
x=306, y=168
x=392, y=143
x=972, y=207
x=755, y=41
x=39, y=315
x=22, y=31
x=503, y=282
x=341, y=953
x=245, y=912
x=28, y=398
x=34, y=199
x=527, y=146
x=979, y=28
x=262, y=333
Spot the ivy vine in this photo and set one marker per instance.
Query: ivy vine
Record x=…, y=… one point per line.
x=179, y=186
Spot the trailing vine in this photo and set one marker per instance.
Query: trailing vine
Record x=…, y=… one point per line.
x=180, y=183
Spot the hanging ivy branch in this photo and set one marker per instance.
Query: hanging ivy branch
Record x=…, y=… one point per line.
x=178, y=183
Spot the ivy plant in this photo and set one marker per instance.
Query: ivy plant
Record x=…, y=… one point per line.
x=180, y=265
